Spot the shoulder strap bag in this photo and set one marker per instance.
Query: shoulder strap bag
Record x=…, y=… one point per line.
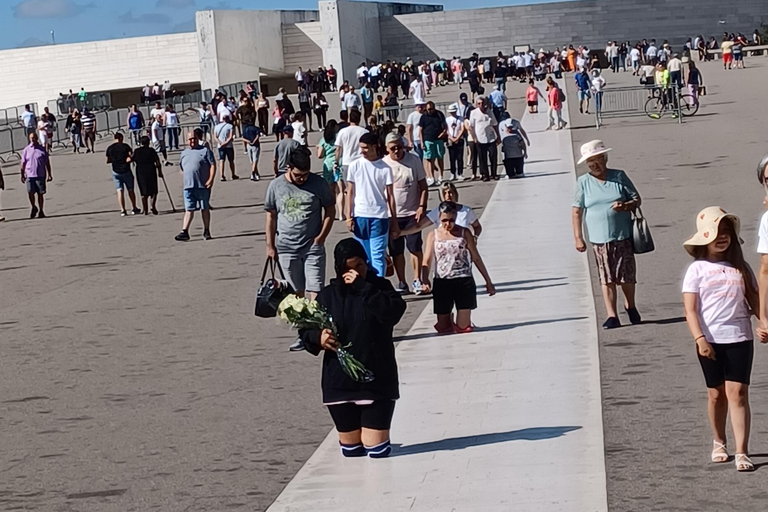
x=642, y=241
x=272, y=291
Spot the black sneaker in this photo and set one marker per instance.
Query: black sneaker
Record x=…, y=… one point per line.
x=207, y=235
x=634, y=316
x=41, y=215
x=297, y=346
x=182, y=237
x=33, y=213
x=611, y=323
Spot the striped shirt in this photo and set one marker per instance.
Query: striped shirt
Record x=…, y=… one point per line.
x=88, y=121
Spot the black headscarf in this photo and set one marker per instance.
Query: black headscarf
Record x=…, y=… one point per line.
x=345, y=249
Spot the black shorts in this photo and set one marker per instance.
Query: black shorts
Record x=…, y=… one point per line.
x=733, y=362
x=447, y=293
x=227, y=153
x=474, y=84
x=349, y=417
x=413, y=242
x=533, y=103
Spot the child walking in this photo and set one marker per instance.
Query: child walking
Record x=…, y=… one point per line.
x=532, y=95
x=454, y=250
x=720, y=296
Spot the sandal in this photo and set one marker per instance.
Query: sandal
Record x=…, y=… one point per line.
x=444, y=330
x=466, y=330
x=719, y=453
x=743, y=463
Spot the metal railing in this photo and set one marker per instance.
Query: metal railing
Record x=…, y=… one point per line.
x=93, y=101
x=619, y=102
x=12, y=115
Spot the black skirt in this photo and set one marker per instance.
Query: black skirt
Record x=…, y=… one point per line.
x=147, y=179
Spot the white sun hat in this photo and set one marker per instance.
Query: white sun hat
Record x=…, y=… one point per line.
x=707, y=225
x=592, y=148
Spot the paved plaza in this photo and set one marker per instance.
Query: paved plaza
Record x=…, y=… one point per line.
x=135, y=376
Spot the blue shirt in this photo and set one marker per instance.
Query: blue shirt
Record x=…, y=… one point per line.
x=196, y=166
x=596, y=198
x=497, y=98
x=583, y=81
x=367, y=94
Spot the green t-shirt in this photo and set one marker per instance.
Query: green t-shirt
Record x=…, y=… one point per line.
x=329, y=160
x=596, y=198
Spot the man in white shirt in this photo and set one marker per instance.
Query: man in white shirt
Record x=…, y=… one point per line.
x=352, y=100
x=299, y=75
x=417, y=91
x=612, y=54
x=157, y=131
x=362, y=74
x=371, y=210
x=167, y=89
x=159, y=110
x=485, y=132
x=652, y=53
x=412, y=130
x=411, y=193
x=28, y=120
x=675, y=68
x=456, y=132
x=348, y=143
x=634, y=55
x=373, y=73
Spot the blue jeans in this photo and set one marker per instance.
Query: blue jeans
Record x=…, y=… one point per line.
x=173, y=137
x=598, y=101
x=374, y=235
x=418, y=149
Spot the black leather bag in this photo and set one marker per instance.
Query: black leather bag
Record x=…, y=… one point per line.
x=272, y=291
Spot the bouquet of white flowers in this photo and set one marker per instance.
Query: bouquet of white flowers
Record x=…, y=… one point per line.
x=303, y=313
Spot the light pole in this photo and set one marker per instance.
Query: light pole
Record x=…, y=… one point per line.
x=53, y=37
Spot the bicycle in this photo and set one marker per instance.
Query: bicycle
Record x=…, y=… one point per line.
x=659, y=103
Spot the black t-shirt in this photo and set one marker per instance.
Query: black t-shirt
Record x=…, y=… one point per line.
x=117, y=154
x=145, y=158
x=501, y=69
x=432, y=125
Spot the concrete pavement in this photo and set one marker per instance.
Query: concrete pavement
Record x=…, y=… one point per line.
x=508, y=417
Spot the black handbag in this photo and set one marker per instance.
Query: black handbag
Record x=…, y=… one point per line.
x=272, y=291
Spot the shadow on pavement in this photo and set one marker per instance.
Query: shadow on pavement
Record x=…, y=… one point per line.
x=665, y=321
x=490, y=328
x=460, y=443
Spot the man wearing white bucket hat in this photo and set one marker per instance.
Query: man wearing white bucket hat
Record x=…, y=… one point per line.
x=604, y=201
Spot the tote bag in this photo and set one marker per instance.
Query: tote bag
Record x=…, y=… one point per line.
x=642, y=241
x=272, y=291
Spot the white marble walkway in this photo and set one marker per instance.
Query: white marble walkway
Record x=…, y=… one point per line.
x=508, y=417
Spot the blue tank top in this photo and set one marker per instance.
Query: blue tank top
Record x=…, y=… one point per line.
x=134, y=121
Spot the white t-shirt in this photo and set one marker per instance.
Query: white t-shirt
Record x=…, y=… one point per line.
x=348, y=139
x=580, y=62
x=634, y=53
x=406, y=175
x=598, y=82
x=528, y=60
x=28, y=118
x=413, y=121
x=762, y=235
x=652, y=51
x=483, y=125
x=157, y=112
x=465, y=217
x=371, y=180
x=298, y=132
x=723, y=309
x=222, y=110
x=514, y=123
x=417, y=92
x=361, y=71
x=454, y=125
x=157, y=132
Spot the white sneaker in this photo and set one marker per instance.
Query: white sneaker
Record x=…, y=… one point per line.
x=430, y=182
x=417, y=287
x=453, y=176
x=438, y=181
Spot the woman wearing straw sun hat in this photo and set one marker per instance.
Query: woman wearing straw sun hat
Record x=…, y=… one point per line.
x=720, y=296
x=604, y=201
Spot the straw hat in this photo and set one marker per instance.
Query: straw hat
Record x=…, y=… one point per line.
x=592, y=148
x=707, y=224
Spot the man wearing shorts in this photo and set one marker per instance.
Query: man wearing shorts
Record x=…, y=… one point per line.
x=432, y=131
x=225, y=132
x=35, y=173
x=198, y=169
x=251, y=139
x=300, y=212
x=411, y=192
x=119, y=155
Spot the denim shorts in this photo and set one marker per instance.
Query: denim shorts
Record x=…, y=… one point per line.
x=124, y=179
x=36, y=186
x=228, y=152
x=197, y=199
